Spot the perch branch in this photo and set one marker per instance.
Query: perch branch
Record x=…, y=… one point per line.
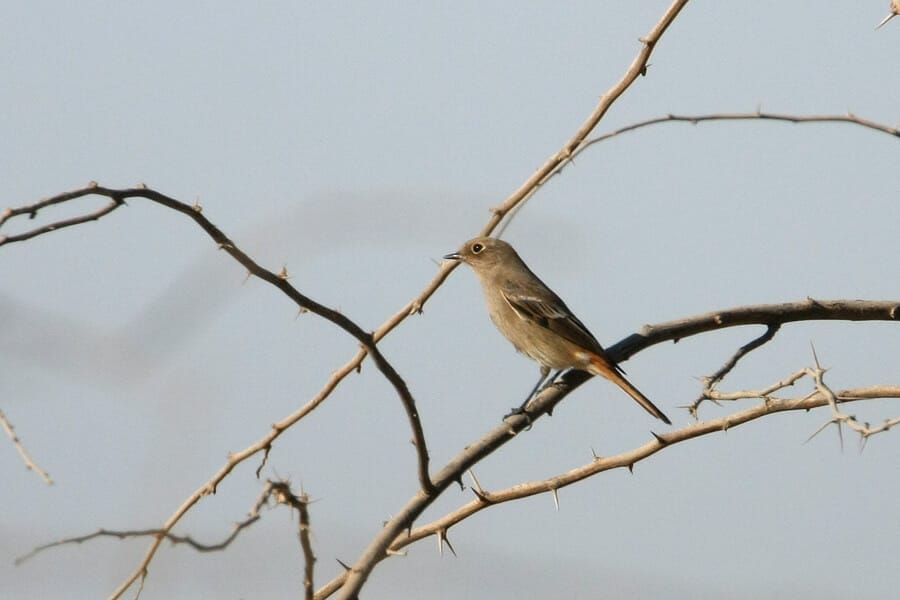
x=484, y=499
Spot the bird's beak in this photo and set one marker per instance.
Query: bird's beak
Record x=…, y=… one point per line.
x=453, y=256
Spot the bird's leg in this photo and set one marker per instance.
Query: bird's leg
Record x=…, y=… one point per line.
x=540, y=385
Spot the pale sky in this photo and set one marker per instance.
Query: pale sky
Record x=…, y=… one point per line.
x=357, y=143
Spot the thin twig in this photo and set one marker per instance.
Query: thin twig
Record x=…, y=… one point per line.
x=849, y=119
x=300, y=503
x=710, y=382
x=29, y=462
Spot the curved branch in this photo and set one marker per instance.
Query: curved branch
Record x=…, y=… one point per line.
x=849, y=118
x=661, y=441
x=628, y=459
x=367, y=340
x=549, y=397
x=760, y=314
x=118, y=197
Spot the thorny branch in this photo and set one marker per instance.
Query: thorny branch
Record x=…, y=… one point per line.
x=839, y=418
x=300, y=503
x=759, y=115
x=552, y=166
x=279, y=491
x=546, y=401
x=770, y=405
x=367, y=341
x=376, y=551
x=280, y=281
x=710, y=382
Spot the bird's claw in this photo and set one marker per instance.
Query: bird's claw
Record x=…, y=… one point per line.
x=519, y=411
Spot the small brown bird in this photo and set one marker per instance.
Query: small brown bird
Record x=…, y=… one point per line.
x=537, y=321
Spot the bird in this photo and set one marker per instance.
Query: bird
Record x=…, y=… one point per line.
x=537, y=321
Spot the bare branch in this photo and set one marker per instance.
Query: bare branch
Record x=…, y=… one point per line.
x=376, y=550
x=279, y=491
x=252, y=517
x=839, y=418
x=760, y=314
x=32, y=210
x=284, y=495
x=549, y=397
x=710, y=382
x=571, y=148
x=279, y=280
x=29, y=462
x=850, y=119
x=628, y=459
x=367, y=340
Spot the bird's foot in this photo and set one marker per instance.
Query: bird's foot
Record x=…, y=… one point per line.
x=519, y=411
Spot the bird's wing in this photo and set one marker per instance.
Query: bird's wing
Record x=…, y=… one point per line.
x=551, y=313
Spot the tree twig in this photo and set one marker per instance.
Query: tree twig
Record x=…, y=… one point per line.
x=29, y=462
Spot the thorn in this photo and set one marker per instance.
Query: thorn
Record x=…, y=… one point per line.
x=480, y=495
x=886, y=19
x=817, y=432
x=283, y=273
x=196, y=206
x=475, y=480
x=815, y=356
x=659, y=438
x=594, y=454
x=555, y=493
x=343, y=564
x=631, y=468
x=443, y=539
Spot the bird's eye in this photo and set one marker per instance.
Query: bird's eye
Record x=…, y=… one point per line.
x=477, y=248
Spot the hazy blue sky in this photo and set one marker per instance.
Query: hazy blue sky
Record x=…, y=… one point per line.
x=357, y=143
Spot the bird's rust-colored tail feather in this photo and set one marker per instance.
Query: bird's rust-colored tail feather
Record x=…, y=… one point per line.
x=601, y=365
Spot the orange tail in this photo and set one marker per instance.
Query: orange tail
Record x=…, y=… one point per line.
x=601, y=365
